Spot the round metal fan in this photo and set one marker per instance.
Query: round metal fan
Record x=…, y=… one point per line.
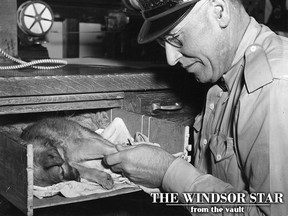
x=35, y=18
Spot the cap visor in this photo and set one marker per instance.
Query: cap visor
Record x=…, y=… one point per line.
x=152, y=29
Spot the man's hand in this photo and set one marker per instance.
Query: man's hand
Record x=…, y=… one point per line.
x=143, y=164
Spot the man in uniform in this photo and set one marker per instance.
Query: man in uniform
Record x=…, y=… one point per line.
x=241, y=136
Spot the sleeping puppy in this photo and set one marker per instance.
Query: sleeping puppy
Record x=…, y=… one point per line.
x=59, y=147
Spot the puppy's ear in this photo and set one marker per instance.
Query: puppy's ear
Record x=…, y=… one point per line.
x=52, y=158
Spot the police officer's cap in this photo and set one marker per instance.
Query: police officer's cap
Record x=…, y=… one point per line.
x=160, y=16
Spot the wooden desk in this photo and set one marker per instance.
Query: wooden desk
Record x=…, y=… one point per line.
x=81, y=87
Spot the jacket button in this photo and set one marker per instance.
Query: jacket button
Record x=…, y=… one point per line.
x=211, y=106
x=218, y=157
x=253, y=48
x=205, y=141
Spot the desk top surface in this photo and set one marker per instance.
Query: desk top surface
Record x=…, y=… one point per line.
x=73, y=79
x=78, y=70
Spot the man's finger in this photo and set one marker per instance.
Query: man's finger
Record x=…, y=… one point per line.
x=112, y=159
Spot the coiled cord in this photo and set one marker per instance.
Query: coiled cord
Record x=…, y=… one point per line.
x=23, y=64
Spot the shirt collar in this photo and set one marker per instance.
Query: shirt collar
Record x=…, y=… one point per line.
x=222, y=84
x=230, y=76
x=252, y=32
x=249, y=37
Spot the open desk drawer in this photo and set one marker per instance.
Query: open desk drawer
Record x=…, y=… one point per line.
x=16, y=160
x=171, y=136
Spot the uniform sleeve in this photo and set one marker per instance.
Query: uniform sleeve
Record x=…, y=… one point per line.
x=182, y=177
x=262, y=134
x=262, y=144
x=278, y=143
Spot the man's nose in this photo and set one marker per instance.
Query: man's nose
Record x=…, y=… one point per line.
x=172, y=54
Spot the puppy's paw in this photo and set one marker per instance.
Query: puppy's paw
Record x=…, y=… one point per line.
x=106, y=181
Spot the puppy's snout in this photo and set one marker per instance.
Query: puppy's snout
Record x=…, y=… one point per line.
x=70, y=173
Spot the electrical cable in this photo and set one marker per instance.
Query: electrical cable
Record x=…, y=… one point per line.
x=33, y=64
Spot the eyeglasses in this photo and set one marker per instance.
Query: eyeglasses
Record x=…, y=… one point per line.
x=172, y=39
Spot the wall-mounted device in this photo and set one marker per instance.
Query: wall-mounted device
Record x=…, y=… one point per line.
x=34, y=19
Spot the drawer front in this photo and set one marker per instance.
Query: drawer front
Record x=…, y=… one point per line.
x=160, y=103
x=33, y=104
x=163, y=105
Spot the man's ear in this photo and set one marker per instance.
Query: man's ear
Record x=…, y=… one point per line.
x=222, y=12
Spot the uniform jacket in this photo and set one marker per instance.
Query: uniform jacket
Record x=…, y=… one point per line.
x=241, y=136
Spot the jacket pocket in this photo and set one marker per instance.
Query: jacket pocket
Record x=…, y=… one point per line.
x=221, y=147
x=224, y=163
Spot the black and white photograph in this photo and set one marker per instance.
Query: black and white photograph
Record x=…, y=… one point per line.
x=143, y=107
